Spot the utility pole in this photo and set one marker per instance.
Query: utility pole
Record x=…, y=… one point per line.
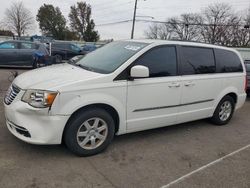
x=133, y=26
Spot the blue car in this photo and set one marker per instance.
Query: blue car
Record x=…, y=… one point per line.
x=21, y=53
x=88, y=48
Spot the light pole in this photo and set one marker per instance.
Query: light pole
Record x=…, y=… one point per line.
x=133, y=26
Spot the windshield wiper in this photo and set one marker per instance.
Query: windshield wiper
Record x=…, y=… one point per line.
x=85, y=67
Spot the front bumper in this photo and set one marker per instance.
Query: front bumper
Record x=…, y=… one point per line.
x=35, y=126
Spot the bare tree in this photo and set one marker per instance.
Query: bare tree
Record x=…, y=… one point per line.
x=18, y=18
x=244, y=33
x=186, y=27
x=216, y=24
x=225, y=27
x=217, y=17
x=158, y=31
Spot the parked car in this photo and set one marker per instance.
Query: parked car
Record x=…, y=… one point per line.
x=87, y=48
x=136, y=85
x=247, y=65
x=65, y=51
x=21, y=53
x=76, y=59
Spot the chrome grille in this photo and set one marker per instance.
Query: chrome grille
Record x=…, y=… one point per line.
x=11, y=94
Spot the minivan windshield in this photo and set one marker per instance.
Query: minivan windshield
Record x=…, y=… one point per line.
x=111, y=56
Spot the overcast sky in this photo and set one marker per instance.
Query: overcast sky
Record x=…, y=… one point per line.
x=107, y=11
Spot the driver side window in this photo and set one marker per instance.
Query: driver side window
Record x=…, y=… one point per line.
x=161, y=61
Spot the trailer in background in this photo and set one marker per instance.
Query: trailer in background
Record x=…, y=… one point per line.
x=245, y=53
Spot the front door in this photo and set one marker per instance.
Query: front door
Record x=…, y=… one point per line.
x=153, y=102
x=9, y=53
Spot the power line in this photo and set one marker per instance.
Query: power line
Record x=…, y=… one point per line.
x=167, y=22
x=240, y=3
x=183, y=23
x=114, y=23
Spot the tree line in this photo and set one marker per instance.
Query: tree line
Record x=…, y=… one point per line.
x=52, y=22
x=216, y=24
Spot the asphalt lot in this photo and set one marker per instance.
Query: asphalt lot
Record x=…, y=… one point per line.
x=146, y=159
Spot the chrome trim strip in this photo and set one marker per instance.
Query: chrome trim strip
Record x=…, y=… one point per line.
x=163, y=107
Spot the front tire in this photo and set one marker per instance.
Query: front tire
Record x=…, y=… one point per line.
x=89, y=132
x=224, y=111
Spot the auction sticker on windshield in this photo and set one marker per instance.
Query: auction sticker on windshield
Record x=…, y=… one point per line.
x=133, y=48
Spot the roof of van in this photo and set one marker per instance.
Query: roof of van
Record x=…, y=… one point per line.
x=22, y=41
x=198, y=44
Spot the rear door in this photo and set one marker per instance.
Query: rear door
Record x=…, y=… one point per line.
x=26, y=53
x=9, y=53
x=200, y=86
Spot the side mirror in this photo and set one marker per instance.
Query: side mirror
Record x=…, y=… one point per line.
x=139, y=71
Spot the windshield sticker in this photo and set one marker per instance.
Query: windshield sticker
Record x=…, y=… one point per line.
x=133, y=48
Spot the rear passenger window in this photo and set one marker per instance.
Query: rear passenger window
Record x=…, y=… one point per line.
x=196, y=60
x=227, y=61
x=25, y=45
x=161, y=61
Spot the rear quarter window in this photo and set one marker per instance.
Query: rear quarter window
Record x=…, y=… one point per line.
x=227, y=61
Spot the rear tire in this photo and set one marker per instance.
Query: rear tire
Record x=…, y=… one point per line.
x=58, y=58
x=224, y=111
x=89, y=132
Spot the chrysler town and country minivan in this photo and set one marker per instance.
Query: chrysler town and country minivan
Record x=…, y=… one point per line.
x=124, y=87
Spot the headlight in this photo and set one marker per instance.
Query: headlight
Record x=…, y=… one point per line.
x=39, y=98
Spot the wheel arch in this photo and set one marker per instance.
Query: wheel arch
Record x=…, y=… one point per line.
x=110, y=109
x=231, y=93
x=234, y=96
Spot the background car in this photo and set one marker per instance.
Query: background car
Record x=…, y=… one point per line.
x=87, y=48
x=76, y=59
x=65, y=51
x=21, y=53
x=247, y=64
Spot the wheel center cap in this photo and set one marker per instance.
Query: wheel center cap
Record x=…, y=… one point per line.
x=92, y=132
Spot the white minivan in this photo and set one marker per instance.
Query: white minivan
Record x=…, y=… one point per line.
x=124, y=87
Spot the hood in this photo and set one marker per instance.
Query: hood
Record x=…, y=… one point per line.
x=54, y=76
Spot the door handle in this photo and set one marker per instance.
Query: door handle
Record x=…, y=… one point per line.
x=172, y=85
x=189, y=84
